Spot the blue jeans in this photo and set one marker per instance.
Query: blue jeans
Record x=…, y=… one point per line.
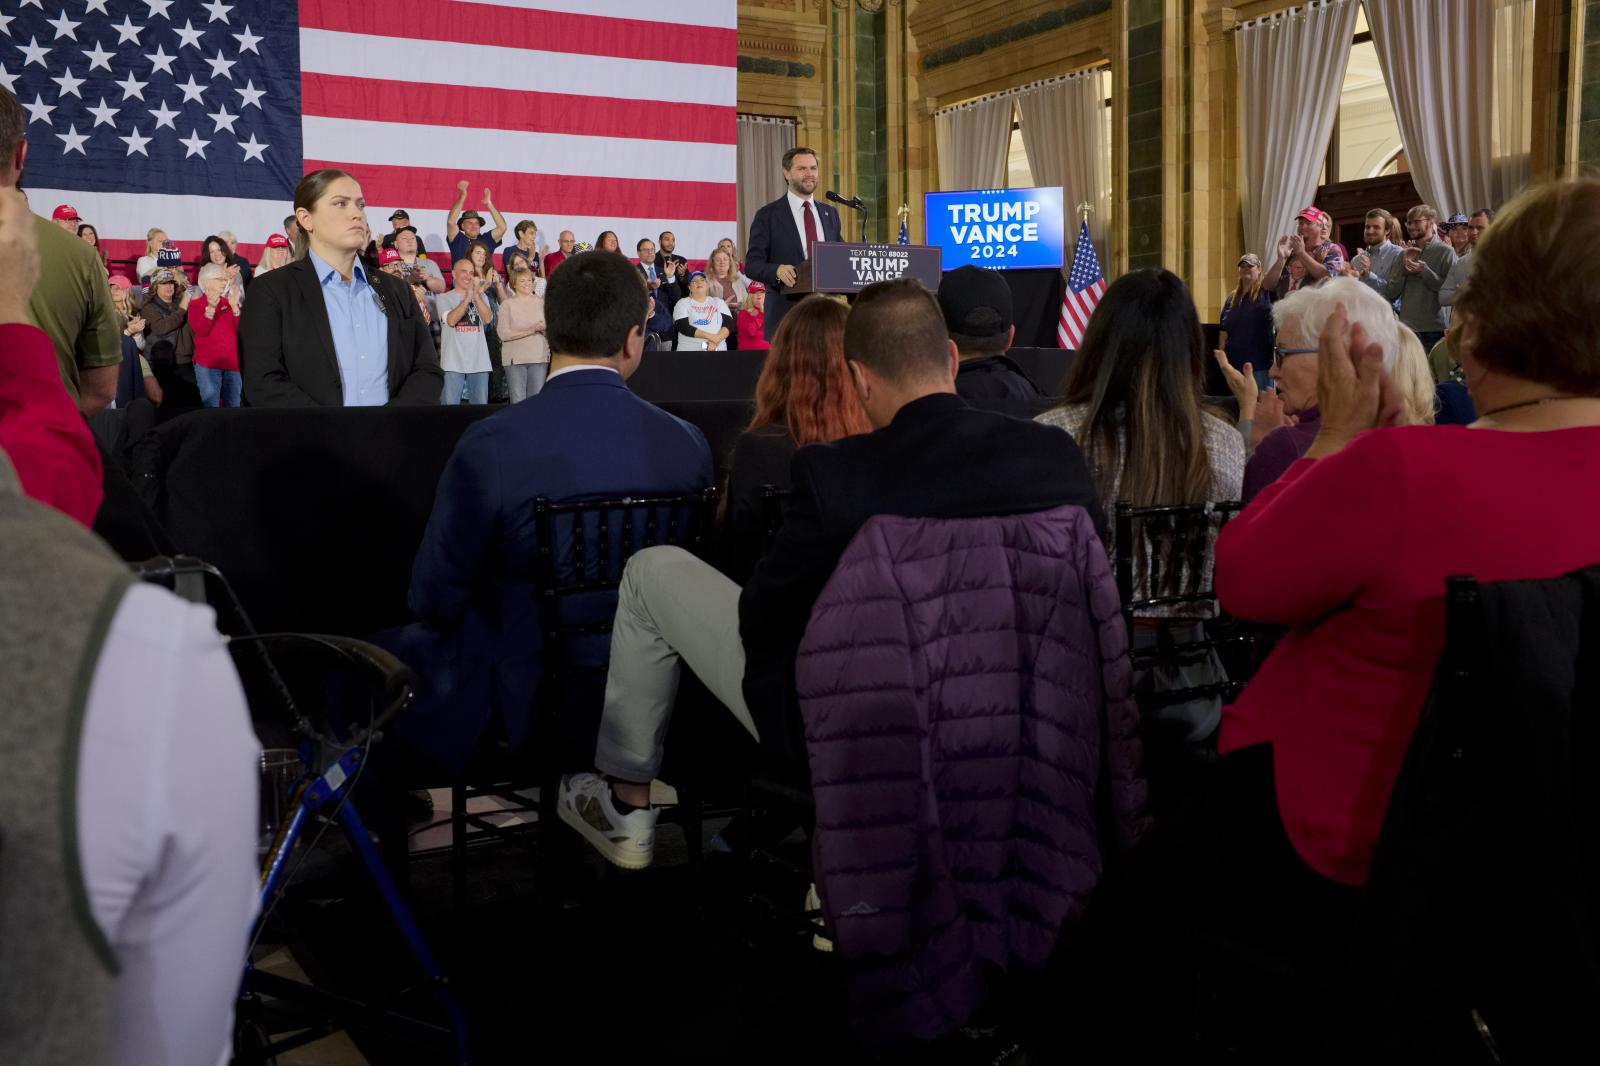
x=477, y=386
x=218, y=388
x=525, y=379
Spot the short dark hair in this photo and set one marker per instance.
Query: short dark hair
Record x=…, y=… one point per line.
x=288, y=219
x=896, y=330
x=13, y=126
x=642, y=242
x=666, y=233
x=799, y=149
x=593, y=303
x=1486, y=212
x=524, y=226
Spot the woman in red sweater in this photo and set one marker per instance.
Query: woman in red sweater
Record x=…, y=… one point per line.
x=1351, y=548
x=215, y=321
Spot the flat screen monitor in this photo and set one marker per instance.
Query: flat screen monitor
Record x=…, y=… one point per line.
x=1003, y=229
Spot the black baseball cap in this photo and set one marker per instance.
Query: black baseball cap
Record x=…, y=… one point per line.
x=976, y=303
x=400, y=213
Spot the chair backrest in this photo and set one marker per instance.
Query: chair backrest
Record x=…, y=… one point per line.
x=583, y=546
x=1163, y=570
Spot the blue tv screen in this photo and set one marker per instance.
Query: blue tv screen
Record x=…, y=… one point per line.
x=1002, y=229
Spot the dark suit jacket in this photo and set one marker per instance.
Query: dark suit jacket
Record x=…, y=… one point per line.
x=286, y=350
x=939, y=458
x=774, y=241
x=477, y=646
x=664, y=299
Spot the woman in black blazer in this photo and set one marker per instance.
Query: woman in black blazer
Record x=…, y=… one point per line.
x=326, y=332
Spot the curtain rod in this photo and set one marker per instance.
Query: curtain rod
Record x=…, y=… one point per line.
x=1020, y=89
x=775, y=120
x=1289, y=12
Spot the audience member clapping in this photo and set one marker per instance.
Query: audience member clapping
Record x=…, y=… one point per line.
x=1420, y=273
x=413, y=264
x=169, y=342
x=464, y=347
x=463, y=228
x=215, y=251
x=524, y=350
x=1316, y=256
x=246, y=271
x=214, y=317
x=702, y=320
x=136, y=372
x=1380, y=253
x=1300, y=318
x=1273, y=856
x=803, y=396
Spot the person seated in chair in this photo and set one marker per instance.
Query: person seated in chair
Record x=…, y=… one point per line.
x=477, y=644
x=978, y=312
x=930, y=456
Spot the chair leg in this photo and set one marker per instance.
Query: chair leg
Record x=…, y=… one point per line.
x=693, y=822
x=551, y=856
x=458, y=846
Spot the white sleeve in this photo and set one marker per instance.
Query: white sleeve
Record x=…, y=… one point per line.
x=168, y=789
x=680, y=309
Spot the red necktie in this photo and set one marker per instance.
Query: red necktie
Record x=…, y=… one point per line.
x=811, y=227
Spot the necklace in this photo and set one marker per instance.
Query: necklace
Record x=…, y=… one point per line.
x=1540, y=402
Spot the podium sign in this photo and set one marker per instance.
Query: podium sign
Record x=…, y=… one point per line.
x=843, y=266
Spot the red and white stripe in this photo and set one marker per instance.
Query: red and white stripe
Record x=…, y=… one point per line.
x=583, y=115
x=1076, y=307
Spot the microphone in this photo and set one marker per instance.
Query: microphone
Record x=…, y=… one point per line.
x=852, y=202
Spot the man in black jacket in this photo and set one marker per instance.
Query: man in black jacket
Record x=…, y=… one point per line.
x=931, y=456
x=978, y=313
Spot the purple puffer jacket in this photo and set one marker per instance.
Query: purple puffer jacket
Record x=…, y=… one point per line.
x=969, y=716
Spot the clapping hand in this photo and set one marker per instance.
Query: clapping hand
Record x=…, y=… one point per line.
x=1296, y=245
x=1354, y=391
x=1242, y=385
x=1285, y=246
x=1361, y=263
x=488, y=200
x=1269, y=416
x=1411, y=259
x=135, y=325
x=461, y=186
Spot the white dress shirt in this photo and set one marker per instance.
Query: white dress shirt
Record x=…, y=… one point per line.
x=797, y=209
x=168, y=788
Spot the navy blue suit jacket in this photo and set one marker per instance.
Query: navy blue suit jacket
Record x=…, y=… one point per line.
x=774, y=241
x=477, y=646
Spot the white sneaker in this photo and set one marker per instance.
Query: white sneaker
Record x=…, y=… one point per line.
x=628, y=840
x=820, y=941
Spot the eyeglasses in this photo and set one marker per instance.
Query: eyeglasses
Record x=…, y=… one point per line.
x=1279, y=354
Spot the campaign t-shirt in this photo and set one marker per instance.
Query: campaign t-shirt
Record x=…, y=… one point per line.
x=464, y=347
x=701, y=314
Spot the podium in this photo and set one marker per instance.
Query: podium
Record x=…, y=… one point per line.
x=850, y=266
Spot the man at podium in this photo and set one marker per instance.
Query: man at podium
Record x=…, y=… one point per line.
x=782, y=233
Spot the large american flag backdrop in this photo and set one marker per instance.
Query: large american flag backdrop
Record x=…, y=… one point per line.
x=196, y=117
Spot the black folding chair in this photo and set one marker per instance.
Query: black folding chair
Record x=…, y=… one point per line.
x=582, y=547
x=1163, y=569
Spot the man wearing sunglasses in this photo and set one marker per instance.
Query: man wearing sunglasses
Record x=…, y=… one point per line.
x=1299, y=318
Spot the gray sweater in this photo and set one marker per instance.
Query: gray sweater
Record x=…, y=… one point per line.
x=1419, y=292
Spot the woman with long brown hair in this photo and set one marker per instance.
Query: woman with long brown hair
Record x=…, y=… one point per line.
x=1132, y=403
x=803, y=396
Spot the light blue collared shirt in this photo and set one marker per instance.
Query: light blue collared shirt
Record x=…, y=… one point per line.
x=360, y=334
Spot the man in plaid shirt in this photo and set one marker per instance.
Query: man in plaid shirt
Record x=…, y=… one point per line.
x=1321, y=257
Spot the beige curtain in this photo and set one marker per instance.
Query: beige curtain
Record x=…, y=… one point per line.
x=972, y=141
x=1438, y=58
x=1064, y=134
x=1291, y=65
x=761, y=144
x=1513, y=98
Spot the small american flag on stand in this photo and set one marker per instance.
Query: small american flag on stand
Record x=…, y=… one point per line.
x=905, y=231
x=1085, y=286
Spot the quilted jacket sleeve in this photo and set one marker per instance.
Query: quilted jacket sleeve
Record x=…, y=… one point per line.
x=860, y=699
